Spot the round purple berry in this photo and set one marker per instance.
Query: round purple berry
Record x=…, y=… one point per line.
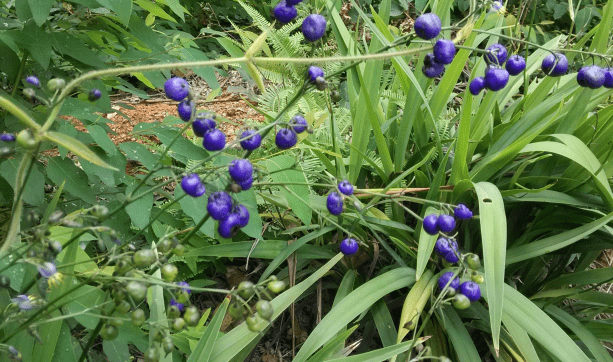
x=444, y=51
x=192, y=185
x=299, y=124
x=176, y=88
x=429, y=224
x=345, y=187
x=293, y=2
x=254, y=141
x=555, y=66
x=243, y=215
x=515, y=64
x=219, y=205
x=442, y=246
x=446, y=278
x=496, y=54
x=349, y=246
x=202, y=124
x=445, y=223
x=591, y=76
x=476, y=86
x=496, y=6
x=432, y=68
x=214, y=140
x=7, y=137
x=335, y=203
x=608, y=78
x=240, y=169
x=427, y=26
x=314, y=73
x=94, y=95
x=229, y=225
x=314, y=27
x=471, y=290
x=32, y=79
x=286, y=138
x=284, y=12
x=462, y=212
x=496, y=78
x=246, y=184
x=451, y=257
x=185, y=110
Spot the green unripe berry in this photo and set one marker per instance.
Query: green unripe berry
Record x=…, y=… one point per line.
x=178, y=324
x=264, y=309
x=451, y=291
x=152, y=355
x=123, y=307
x=100, y=212
x=138, y=317
x=460, y=301
x=236, y=311
x=476, y=277
x=335, y=96
x=137, y=291
x=29, y=93
x=164, y=245
x=191, y=316
x=56, y=84
x=26, y=139
x=255, y=323
x=178, y=250
x=117, y=322
x=144, y=258
x=443, y=359
x=109, y=332
x=169, y=272
x=473, y=261
x=168, y=344
x=173, y=312
x=276, y=286
x=123, y=266
x=246, y=289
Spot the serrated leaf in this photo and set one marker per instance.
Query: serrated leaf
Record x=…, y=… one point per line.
x=77, y=147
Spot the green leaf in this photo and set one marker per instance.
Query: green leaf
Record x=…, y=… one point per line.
x=493, y=222
x=74, y=47
x=352, y=306
x=82, y=300
x=592, y=276
x=204, y=348
x=140, y=209
x=425, y=246
x=102, y=139
x=263, y=249
x=122, y=8
x=40, y=10
x=64, y=170
x=521, y=339
x=285, y=169
x=157, y=318
x=378, y=355
x=116, y=351
x=34, y=190
x=329, y=349
x=77, y=147
x=37, y=42
x=193, y=207
x=461, y=340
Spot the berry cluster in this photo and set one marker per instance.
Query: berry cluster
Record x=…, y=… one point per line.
x=428, y=27
x=594, y=77
x=288, y=136
x=178, y=89
x=245, y=293
x=466, y=292
x=335, y=201
x=313, y=26
x=496, y=77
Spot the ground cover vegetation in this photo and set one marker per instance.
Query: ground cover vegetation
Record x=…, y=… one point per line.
x=433, y=175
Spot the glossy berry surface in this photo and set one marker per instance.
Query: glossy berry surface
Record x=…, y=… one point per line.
x=432, y=68
x=515, y=64
x=202, y=124
x=345, y=187
x=228, y=225
x=429, y=224
x=7, y=137
x=444, y=51
x=496, y=78
x=314, y=27
x=460, y=301
x=471, y=290
x=427, y=26
x=555, y=66
x=219, y=205
x=442, y=246
x=240, y=169
x=214, y=140
x=335, y=203
x=284, y=12
x=185, y=110
x=286, y=138
x=453, y=255
x=243, y=215
x=445, y=223
x=445, y=278
x=462, y=212
x=32, y=79
x=246, y=184
x=94, y=95
x=608, y=77
x=299, y=124
x=591, y=76
x=192, y=185
x=176, y=88
x=497, y=54
x=315, y=72
x=252, y=142
x=349, y=246
x=476, y=85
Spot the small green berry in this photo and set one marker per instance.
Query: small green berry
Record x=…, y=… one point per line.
x=178, y=324
x=276, y=286
x=123, y=307
x=255, y=323
x=152, y=355
x=264, y=309
x=138, y=317
x=460, y=301
x=473, y=261
x=168, y=344
x=169, y=272
x=191, y=316
x=246, y=289
x=144, y=258
x=164, y=245
x=137, y=291
x=109, y=332
x=178, y=250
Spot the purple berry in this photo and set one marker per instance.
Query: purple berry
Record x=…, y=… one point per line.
x=445, y=223
x=591, y=76
x=286, y=138
x=293, y=2
x=315, y=72
x=497, y=54
x=298, y=124
x=240, y=170
x=32, y=79
x=185, y=110
x=176, y=88
x=243, y=215
x=192, y=185
x=515, y=64
x=229, y=225
x=345, y=187
x=202, y=124
x=453, y=255
x=427, y=26
x=7, y=137
x=496, y=78
x=429, y=224
x=442, y=246
x=335, y=203
x=94, y=95
x=432, y=68
x=471, y=290
x=246, y=184
x=444, y=51
x=219, y=205
x=444, y=280
x=555, y=66
x=496, y=6
x=349, y=246
x=477, y=85
x=314, y=27
x=214, y=140
x=608, y=78
x=462, y=212
x=252, y=142
x=284, y=12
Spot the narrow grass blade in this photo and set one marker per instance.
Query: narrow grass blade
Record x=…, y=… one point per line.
x=457, y=333
x=425, y=246
x=202, y=351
